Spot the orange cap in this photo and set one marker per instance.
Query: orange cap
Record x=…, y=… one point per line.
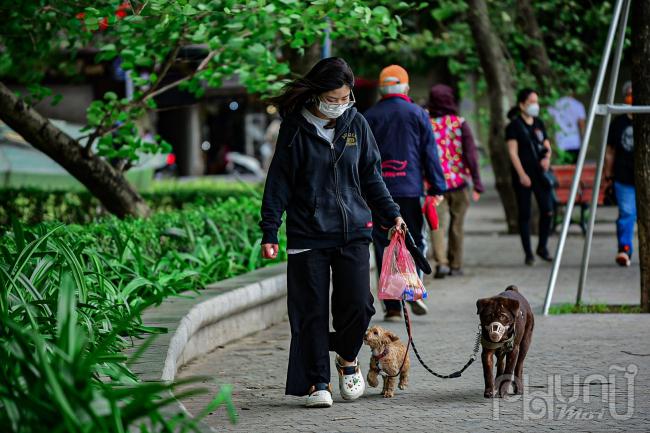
x=393, y=74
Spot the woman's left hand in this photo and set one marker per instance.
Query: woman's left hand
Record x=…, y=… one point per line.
x=546, y=163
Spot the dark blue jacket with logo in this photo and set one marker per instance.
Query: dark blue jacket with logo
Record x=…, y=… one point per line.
x=328, y=191
x=407, y=147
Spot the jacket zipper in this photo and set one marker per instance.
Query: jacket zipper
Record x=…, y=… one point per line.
x=339, y=199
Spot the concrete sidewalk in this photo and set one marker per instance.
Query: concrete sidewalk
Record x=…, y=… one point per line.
x=573, y=368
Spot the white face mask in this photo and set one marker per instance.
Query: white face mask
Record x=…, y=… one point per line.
x=333, y=111
x=533, y=110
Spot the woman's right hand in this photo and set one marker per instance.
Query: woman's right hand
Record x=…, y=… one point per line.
x=525, y=180
x=269, y=251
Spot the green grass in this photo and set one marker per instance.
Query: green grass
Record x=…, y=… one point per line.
x=569, y=308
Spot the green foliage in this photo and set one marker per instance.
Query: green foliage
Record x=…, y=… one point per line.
x=70, y=301
x=243, y=39
x=31, y=206
x=438, y=32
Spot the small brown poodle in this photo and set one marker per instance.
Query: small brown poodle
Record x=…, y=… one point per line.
x=387, y=358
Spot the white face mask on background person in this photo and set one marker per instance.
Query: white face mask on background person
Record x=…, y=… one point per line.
x=533, y=110
x=333, y=111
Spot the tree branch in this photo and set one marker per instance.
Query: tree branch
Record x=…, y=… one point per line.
x=167, y=66
x=202, y=66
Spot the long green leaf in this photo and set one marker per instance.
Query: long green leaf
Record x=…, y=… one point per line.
x=76, y=269
x=27, y=252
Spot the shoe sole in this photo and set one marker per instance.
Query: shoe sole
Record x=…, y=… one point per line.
x=419, y=310
x=320, y=405
x=393, y=319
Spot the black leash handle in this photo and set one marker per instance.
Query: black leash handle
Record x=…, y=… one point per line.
x=472, y=358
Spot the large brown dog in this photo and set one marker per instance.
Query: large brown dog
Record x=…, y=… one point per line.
x=507, y=323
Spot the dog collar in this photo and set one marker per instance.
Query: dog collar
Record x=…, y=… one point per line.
x=505, y=345
x=381, y=355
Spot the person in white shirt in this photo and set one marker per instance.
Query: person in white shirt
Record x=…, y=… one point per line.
x=569, y=115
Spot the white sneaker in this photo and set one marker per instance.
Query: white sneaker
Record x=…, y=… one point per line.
x=351, y=383
x=320, y=395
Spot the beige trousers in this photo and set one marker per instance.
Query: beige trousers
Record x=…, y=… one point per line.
x=451, y=217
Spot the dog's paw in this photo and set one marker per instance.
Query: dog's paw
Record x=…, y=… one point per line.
x=489, y=393
x=372, y=380
x=403, y=385
x=388, y=394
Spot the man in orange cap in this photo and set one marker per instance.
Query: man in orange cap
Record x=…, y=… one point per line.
x=409, y=156
x=393, y=80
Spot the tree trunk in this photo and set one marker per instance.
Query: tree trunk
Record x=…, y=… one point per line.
x=101, y=179
x=300, y=64
x=499, y=81
x=538, y=61
x=640, y=17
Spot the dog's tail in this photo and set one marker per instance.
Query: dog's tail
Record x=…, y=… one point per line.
x=513, y=288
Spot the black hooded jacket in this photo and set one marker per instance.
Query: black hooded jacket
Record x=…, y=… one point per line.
x=328, y=191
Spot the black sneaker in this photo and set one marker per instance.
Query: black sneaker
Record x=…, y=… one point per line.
x=419, y=307
x=393, y=316
x=441, y=272
x=544, y=255
x=530, y=260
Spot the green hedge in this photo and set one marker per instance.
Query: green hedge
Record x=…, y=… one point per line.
x=71, y=298
x=32, y=206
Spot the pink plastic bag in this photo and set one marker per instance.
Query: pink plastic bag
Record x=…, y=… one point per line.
x=399, y=278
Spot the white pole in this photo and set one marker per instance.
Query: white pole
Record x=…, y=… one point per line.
x=611, y=92
x=582, y=154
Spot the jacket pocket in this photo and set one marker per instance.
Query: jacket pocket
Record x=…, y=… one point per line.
x=327, y=215
x=300, y=217
x=357, y=210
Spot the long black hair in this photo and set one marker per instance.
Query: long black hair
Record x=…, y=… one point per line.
x=328, y=74
x=522, y=95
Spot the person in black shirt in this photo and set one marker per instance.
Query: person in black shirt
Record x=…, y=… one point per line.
x=619, y=170
x=530, y=154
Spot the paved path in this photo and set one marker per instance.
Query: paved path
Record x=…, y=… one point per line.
x=587, y=346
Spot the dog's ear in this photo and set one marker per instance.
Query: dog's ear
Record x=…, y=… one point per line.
x=391, y=336
x=511, y=305
x=482, y=303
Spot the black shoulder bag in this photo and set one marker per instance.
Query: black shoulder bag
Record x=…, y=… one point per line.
x=539, y=151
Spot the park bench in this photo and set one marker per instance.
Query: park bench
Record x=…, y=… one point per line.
x=564, y=175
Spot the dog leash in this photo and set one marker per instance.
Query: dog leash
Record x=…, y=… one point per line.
x=472, y=358
x=411, y=343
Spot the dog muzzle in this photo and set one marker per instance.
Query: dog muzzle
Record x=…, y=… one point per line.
x=496, y=330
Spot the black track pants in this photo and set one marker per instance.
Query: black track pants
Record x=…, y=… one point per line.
x=308, y=283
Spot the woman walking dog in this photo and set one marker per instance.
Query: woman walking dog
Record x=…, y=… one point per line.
x=326, y=174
